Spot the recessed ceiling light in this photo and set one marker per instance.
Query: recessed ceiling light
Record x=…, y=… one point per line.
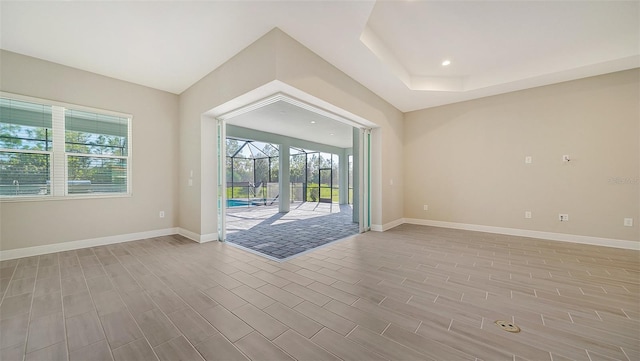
x=446, y=62
x=331, y=134
x=313, y=122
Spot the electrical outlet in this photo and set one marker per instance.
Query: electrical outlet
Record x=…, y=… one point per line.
x=425, y=207
x=628, y=222
x=527, y=214
x=528, y=159
x=563, y=217
x=161, y=214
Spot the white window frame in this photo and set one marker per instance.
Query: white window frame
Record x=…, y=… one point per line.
x=58, y=176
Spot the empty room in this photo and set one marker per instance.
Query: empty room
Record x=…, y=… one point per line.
x=320, y=180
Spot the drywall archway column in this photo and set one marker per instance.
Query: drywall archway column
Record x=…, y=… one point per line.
x=207, y=181
x=277, y=63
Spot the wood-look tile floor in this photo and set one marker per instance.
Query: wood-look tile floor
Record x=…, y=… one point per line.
x=411, y=293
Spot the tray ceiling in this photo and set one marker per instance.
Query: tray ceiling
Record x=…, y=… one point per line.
x=394, y=48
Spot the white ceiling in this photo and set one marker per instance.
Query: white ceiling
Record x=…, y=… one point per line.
x=494, y=43
x=394, y=48
x=290, y=120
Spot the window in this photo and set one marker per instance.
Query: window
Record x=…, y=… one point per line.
x=53, y=151
x=96, y=151
x=25, y=148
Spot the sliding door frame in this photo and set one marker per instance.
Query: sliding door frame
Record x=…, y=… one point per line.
x=364, y=179
x=221, y=136
x=363, y=154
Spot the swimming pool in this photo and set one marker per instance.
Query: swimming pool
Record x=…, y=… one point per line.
x=237, y=203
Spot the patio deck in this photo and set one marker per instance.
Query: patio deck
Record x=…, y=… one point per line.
x=283, y=235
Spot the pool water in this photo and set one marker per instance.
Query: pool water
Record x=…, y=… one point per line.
x=237, y=203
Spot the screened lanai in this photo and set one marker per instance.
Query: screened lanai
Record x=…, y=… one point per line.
x=316, y=214
x=253, y=167
x=252, y=173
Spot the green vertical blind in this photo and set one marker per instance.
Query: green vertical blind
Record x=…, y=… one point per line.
x=25, y=128
x=24, y=113
x=25, y=125
x=86, y=122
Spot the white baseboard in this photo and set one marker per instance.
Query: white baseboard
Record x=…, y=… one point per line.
x=387, y=226
x=562, y=237
x=101, y=241
x=200, y=238
x=187, y=233
x=93, y=242
x=208, y=237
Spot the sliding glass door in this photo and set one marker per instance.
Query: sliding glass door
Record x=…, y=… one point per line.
x=221, y=138
x=324, y=188
x=364, y=179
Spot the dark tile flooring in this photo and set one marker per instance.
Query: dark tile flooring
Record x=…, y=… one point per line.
x=284, y=235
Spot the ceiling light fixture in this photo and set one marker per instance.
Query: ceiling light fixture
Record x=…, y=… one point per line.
x=446, y=62
x=331, y=134
x=313, y=122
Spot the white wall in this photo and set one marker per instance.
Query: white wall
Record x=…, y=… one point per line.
x=301, y=68
x=466, y=160
x=249, y=69
x=155, y=158
x=277, y=57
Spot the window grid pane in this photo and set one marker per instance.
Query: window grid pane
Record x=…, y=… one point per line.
x=96, y=175
x=24, y=174
x=14, y=136
x=93, y=133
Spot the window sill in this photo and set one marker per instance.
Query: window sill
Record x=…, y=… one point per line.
x=62, y=198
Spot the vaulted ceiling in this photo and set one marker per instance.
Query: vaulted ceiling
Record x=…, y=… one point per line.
x=395, y=48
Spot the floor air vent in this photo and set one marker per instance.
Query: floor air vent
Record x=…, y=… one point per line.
x=508, y=326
